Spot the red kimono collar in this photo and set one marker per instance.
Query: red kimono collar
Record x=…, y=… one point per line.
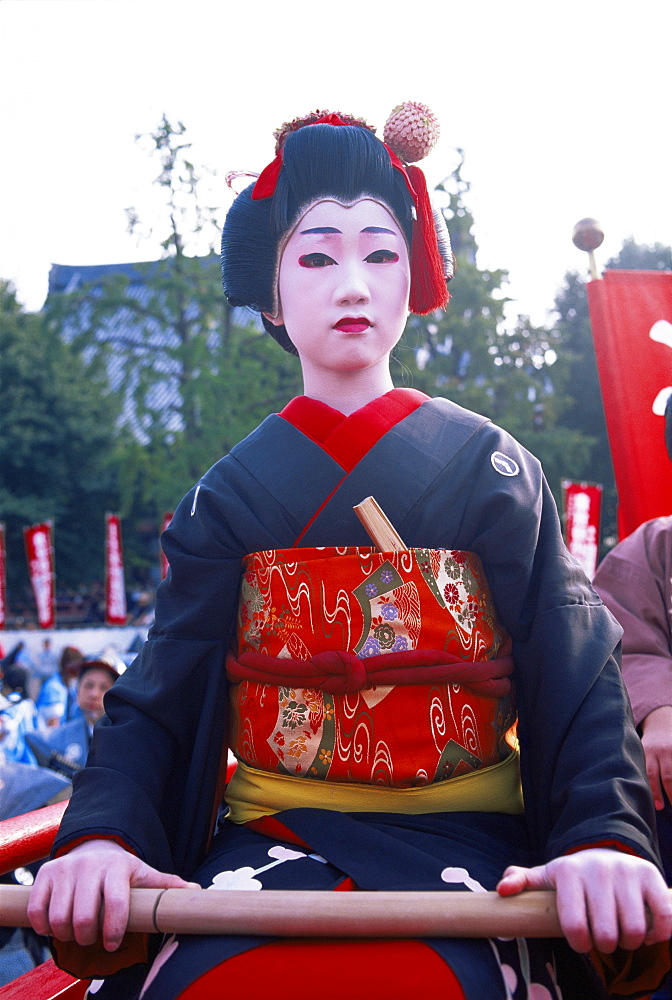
x=347, y=439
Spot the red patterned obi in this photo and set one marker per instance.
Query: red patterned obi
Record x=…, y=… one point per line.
x=419, y=692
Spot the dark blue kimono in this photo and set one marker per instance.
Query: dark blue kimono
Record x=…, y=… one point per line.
x=446, y=478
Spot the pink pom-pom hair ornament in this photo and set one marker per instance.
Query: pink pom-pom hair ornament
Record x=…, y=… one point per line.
x=411, y=131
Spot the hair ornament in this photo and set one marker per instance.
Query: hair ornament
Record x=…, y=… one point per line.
x=411, y=131
x=233, y=175
x=316, y=118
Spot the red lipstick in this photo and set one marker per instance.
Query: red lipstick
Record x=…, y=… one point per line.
x=353, y=324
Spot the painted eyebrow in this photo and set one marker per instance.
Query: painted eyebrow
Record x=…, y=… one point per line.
x=330, y=229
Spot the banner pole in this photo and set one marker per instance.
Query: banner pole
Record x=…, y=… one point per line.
x=588, y=235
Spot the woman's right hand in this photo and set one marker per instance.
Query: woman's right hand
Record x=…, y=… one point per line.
x=72, y=893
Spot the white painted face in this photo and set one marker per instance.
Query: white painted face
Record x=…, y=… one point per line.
x=344, y=284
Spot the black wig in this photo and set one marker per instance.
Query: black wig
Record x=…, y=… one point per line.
x=319, y=161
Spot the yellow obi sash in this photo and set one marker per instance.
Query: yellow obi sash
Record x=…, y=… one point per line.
x=252, y=794
x=408, y=746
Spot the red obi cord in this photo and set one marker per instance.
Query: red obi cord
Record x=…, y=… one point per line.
x=342, y=672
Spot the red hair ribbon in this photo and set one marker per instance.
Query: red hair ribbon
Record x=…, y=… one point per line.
x=268, y=179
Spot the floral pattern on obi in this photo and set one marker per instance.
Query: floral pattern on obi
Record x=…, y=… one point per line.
x=296, y=603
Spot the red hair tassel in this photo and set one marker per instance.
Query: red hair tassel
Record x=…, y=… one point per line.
x=428, y=283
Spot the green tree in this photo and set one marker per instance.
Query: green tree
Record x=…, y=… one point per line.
x=194, y=380
x=56, y=444
x=514, y=376
x=450, y=352
x=639, y=257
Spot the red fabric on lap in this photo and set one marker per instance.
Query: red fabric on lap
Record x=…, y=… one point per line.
x=272, y=827
x=331, y=970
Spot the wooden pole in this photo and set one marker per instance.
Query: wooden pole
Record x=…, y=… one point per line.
x=303, y=913
x=588, y=235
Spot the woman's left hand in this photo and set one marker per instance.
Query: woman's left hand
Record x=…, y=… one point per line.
x=602, y=898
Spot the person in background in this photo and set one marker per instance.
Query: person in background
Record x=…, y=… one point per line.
x=57, y=701
x=18, y=655
x=72, y=739
x=19, y=717
x=635, y=582
x=46, y=665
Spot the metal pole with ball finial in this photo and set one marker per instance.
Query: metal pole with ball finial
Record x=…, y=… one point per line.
x=587, y=235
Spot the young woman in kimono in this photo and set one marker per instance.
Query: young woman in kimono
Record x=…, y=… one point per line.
x=332, y=244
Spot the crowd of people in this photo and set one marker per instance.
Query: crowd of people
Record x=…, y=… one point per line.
x=48, y=708
x=47, y=712
x=81, y=606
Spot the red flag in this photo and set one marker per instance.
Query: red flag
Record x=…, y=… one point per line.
x=3, y=578
x=115, y=590
x=40, y=557
x=582, y=503
x=167, y=518
x=631, y=317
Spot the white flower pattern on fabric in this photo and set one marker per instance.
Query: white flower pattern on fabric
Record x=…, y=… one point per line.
x=533, y=991
x=168, y=949
x=243, y=878
x=453, y=875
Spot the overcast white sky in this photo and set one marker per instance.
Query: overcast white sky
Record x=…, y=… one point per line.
x=562, y=109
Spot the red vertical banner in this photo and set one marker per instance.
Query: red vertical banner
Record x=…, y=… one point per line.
x=583, y=504
x=631, y=319
x=167, y=518
x=115, y=589
x=3, y=577
x=40, y=558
